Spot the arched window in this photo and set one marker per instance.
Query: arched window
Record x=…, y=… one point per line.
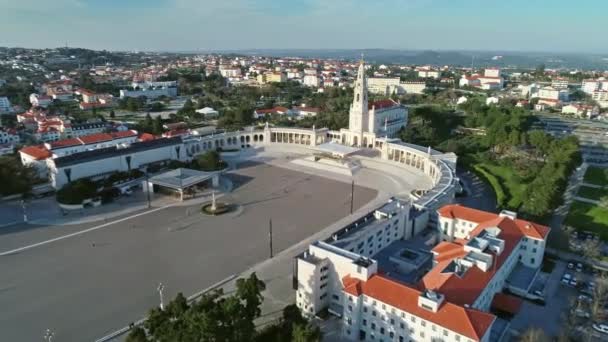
x=357, y=97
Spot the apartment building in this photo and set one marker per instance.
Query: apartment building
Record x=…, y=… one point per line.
x=449, y=299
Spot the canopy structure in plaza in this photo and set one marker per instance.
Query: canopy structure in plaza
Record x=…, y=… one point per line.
x=181, y=179
x=336, y=150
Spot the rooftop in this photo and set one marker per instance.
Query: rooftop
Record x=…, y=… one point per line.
x=181, y=178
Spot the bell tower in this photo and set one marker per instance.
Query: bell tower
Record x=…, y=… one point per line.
x=358, y=116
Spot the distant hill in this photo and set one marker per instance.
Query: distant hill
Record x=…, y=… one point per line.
x=440, y=58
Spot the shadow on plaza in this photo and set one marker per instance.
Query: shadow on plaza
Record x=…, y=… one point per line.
x=238, y=180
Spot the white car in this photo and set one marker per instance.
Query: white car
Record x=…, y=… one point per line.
x=603, y=328
x=566, y=279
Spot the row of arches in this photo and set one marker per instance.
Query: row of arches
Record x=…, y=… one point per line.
x=228, y=142
x=410, y=159
x=291, y=138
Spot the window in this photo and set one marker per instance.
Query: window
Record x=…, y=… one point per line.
x=350, y=299
x=382, y=330
x=350, y=308
x=391, y=334
x=445, y=332
x=403, y=315
x=374, y=313
x=364, y=323
x=373, y=326
x=402, y=325
x=365, y=309
x=335, y=297
x=536, y=242
x=531, y=260
x=423, y=323
x=457, y=338
x=349, y=321
x=392, y=321
x=533, y=250
x=413, y=319
x=422, y=334
x=383, y=306
x=434, y=327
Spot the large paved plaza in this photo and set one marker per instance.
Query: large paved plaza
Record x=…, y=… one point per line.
x=88, y=285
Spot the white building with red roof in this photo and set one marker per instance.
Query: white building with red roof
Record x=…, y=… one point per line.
x=448, y=297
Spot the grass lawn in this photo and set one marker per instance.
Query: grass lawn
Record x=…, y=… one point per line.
x=583, y=216
x=596, y=175
x=592, y=193
x=507, y=182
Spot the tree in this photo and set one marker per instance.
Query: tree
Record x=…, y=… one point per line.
x=157, y=126
x=210, y=161
x=14, y=177
x=137, y=334
x=306, y=333
x=112, y=114
x=533, y=334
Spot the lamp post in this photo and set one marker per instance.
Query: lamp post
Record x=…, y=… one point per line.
x=23, y=206
x=160, y=289
x=148, y=188
x=48, y=335
x=270, y=238
x=352, y=196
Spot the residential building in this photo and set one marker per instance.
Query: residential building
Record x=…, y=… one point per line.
x=551, y=96
x=560, y=83
x=492, y=100
x=5, y=105
x=428, y=72
x=311, y=81
x=150, y=90
x=304, y=111
x=271, y=77
x=381, y=289
x=383, y=85
x=40, y=100
x=228, y=71
x=580, y=110
x=9, y=136
x=208, y=112
x=413, y=87
x=590, y=86
x=260, y=113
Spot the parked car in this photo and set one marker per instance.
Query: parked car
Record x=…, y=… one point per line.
x=566, y=279
x=603, y=328
x=570, y=265
x=582, y=313
x=585, y=298
x=573, y=281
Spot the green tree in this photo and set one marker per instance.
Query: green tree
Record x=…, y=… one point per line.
x=157, y=126
x=210, y=161
x=14, y=177
x=306, y=333
x=112, y=114
x=137, y=334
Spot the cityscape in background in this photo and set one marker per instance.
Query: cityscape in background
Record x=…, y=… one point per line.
x=217, y=193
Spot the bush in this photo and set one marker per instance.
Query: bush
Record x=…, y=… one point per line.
x=76, y=192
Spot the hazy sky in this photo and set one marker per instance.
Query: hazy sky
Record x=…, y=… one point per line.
x=530, y=25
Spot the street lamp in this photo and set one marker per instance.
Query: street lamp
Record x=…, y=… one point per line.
x=160, y=289
x=48, y=335
x=23, y=205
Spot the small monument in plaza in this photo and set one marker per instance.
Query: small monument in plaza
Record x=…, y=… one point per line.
x=215, y=208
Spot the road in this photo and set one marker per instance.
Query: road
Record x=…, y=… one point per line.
x=479, y=195
x=85, y=286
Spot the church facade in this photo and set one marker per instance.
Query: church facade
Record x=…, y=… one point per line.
x=369, y=121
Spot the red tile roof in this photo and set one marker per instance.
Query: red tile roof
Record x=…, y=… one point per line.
x=146, y=137
x=65, y=143
x=381, y=104
x=124, y=134
x=95, y=138
x=37, y=152
x=468, y=322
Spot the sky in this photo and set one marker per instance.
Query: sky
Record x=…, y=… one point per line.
x=205, y=25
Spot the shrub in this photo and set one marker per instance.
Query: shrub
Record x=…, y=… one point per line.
x=77, y=191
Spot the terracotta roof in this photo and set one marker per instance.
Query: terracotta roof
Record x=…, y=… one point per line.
x=468, y=214
x=146, y=137
x=383, y=104
x=124, y=134
x=37, y=152
x=468, y=322
x=65, y=143
x=527, y=228
x=95, y=138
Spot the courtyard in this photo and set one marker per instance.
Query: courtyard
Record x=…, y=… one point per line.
x=87, y=285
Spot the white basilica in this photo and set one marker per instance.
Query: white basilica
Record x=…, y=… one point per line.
x=368, y=121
